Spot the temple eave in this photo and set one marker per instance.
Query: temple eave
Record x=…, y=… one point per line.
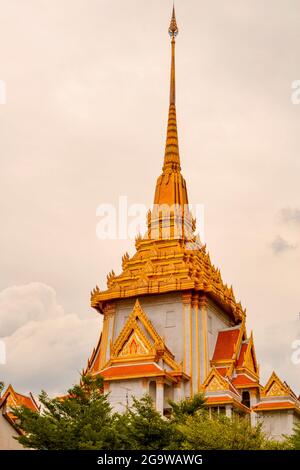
x=233, y=309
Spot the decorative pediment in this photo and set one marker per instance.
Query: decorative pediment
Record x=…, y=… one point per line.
x=215, y=385
x=215, y=382
x=138, y=340
x=131, y=339
x=135, y=346
x=275, y=387
x=132, y=325
x=11, y=399
x=250, y=361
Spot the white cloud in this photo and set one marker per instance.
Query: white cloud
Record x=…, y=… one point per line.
x=21, y=304
x=46, y=347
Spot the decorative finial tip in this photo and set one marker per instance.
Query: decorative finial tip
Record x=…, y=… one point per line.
x=173, y=29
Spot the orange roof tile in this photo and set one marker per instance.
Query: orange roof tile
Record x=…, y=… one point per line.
x=26, y=401
x=243, y=379
x=225, y=345
x=17, y=399
x=275, y=405
x=222, y=370
x=219, y=399
x=242, y=355
x=134, y=370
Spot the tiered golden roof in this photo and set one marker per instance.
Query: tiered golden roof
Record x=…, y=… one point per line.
x=170, y=257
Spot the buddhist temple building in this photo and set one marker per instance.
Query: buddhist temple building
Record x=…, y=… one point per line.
x=171, y=326
x=8, y=429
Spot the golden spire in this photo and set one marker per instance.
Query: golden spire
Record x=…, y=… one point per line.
x=170, y=217
x=171, y=187
x=172, y=159
x=173, y=31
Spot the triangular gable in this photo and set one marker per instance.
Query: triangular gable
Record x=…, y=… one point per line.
x=135, y=345
x=275, y=387
x=12, y=399
x=215, y=382
x=9, y=397
x=131, y=326
x=247, y=357
x=138, y=340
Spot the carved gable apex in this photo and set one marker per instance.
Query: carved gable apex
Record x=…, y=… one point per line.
x=250, y=361
x=136, y=318
x=214, y=385
x=138, y=338
x=11, y=397
x=275, y=387
x=131, y=337
x=135, y=346
x=215, y=382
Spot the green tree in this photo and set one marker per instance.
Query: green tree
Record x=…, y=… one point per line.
x=142, y=427
x=84, y=420
x=180, y=411
x=294, y=440
x=81, y=420
x=187, y=407
x=219, y=432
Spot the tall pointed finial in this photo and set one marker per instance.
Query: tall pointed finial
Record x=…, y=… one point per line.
x=171, y=191
x=173, y=29
x=166, y=192
x=172, y=151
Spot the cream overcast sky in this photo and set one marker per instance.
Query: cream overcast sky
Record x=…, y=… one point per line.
x=85, y=119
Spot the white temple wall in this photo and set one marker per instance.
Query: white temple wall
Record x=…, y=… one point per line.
x=296, y=420
x=182, y=325
x=7, y=434
x=277, y=423
x=122, y=391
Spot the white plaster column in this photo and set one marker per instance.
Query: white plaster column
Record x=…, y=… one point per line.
x=196, y=344
x=253, y=401
x=204, y=342
x=228, y=409
x=187, y=337
x=178, y=392
x=290, y=422
x=145, y=385
x=107, y=332
x=160, y=396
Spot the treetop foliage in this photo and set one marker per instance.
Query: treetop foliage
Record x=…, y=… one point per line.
x=84, y=419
